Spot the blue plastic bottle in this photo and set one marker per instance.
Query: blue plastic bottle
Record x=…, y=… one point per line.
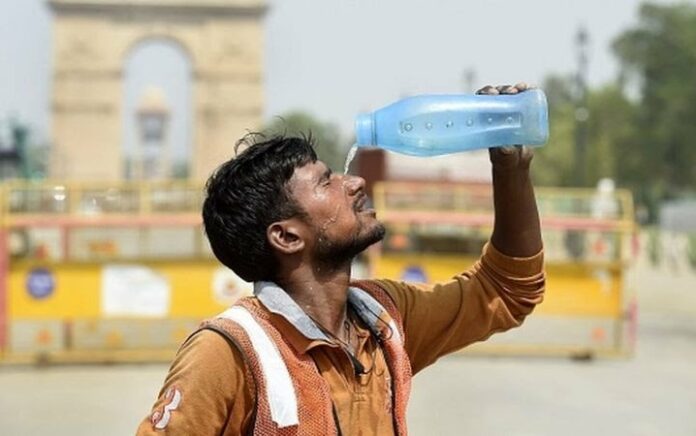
x=430, y=125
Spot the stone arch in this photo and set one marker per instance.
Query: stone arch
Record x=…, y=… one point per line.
x=92, y=38
x=130, y=46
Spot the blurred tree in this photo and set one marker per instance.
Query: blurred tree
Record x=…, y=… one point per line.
x=611, y=135
x=553, y=163
x=37, y=160
x=327, y=138
x=21, y=156
x=180, y=169
x=609, y=126
x=691, y=250
x=660, y=53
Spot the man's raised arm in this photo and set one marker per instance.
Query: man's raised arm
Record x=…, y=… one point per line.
x=496, y=293
x=517, y=231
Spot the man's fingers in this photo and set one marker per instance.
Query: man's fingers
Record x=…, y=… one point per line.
x=521, y=150
x=508, y=149
x=507, y=89
x=511, y=156
x=522, y=86
x=504, y=89
x=488, y=90
x=527, y=153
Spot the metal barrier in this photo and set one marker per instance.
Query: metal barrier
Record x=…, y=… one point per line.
x=436, y=230
x=105, y=271
x=122, y=271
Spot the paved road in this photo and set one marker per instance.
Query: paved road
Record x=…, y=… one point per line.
x=652, y=394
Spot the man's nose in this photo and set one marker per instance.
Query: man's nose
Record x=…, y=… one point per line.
x=354, y=184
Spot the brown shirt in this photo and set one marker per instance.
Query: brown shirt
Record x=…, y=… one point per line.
x=494, y=295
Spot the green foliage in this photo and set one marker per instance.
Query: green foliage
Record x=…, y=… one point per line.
x=691, y=250
x=611, y=134
x=654, y=247
x=609, y=126
x=33, y=157
x=660, y=53
x=180, y=170
x=553, y=163
x=327, y=139
x=37, y=161
x=646, y=144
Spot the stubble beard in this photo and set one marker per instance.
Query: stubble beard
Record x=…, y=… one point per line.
x=335, y=254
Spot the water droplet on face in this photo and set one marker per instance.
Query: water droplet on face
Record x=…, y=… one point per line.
x=428, y=126
x=469, y=122
x=449, y=124
x=408, y=127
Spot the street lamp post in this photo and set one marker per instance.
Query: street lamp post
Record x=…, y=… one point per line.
x=152, y=117
x=582, y=112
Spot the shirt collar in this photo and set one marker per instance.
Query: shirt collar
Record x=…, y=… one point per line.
x=277, y=301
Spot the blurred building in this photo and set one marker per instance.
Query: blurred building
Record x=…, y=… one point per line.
x=92, y=39
x=376, y=165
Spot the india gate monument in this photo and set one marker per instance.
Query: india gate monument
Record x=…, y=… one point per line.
x=223, y=40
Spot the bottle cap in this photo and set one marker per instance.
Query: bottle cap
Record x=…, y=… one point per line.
x=364, y=132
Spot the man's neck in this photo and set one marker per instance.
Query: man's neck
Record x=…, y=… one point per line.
x=321, y=293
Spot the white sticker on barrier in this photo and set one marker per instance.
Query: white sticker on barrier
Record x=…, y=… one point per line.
x=134, y=290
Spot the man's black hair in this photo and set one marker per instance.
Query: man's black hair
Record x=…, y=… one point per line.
x=248, y=193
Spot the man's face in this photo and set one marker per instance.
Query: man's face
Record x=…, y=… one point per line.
x=336, y=207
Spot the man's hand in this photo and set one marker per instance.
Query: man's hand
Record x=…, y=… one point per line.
x=516, y=231
x=509, y=157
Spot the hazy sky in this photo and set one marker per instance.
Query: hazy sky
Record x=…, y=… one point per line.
x=334, y=58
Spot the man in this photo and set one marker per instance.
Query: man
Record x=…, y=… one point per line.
x=313, y=353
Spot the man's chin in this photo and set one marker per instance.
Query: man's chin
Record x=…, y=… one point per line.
x=373, y=236
x=356, y=246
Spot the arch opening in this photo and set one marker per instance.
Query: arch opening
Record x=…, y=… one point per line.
x=157, y=110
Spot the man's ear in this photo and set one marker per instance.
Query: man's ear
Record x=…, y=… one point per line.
x=286, y=236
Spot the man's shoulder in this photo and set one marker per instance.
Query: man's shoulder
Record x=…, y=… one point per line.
x=371, y=284
x=395, y=288
x=207, y=345
x=377, y=288
x=390, y=293
x=204, y=343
